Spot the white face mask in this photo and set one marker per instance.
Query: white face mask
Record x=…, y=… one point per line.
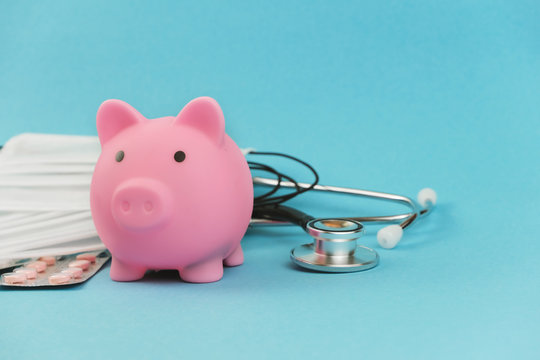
x=44, y=195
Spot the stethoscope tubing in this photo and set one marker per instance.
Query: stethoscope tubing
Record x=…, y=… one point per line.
x=405, y=220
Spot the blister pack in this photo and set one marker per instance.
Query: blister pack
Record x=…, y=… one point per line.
x=56, y=270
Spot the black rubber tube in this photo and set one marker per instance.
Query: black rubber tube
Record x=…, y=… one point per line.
x=282, y=213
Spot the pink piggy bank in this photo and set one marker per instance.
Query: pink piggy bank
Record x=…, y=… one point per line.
x=170, y=193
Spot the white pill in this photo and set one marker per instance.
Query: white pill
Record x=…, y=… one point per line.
x=59, y=278
x=74, y=272
x=40, y=266
x=83, y=264
x=30, y=273
x=13, y=278
x=89, y=257
x=49, y=260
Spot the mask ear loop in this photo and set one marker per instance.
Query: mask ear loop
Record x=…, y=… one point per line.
x=43, y=200
x=66, y=235
x=46, y=181
x=42, y=169
x=94, y=245
x=12, y=219
x=35, y=160
x=21, y=219
x=25, y=237
x=31, y=145
x=47, y=221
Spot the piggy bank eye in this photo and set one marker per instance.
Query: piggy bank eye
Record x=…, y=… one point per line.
x=179, y=156
x=119, y=156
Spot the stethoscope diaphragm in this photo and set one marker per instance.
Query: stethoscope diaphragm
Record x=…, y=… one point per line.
x=335, y=248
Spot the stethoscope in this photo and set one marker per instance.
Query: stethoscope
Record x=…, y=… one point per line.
x=335, y=247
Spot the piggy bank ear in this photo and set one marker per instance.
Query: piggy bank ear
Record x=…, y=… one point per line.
x=204, y=114
x=114, y=116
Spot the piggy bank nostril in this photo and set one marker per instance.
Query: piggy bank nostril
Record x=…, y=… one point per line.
x=148, y=206
x=126, y=206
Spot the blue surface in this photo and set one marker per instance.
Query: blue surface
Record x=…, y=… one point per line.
x=379, y=95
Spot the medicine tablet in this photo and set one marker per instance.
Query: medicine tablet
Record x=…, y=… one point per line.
x=59, y=278
x=30, y=273
x=74, y=272
x=40, y=266
x=89, y=257
x=49, y=260
x=66, y=270
x=13, y=278
x=83, y=264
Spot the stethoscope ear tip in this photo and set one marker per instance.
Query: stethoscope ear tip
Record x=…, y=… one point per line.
x=389, y=236
x=427, y=195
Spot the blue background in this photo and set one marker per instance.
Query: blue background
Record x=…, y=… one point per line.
x=391, y=96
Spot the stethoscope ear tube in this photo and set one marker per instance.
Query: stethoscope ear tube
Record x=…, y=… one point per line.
x=278, y=213
x=427, y=197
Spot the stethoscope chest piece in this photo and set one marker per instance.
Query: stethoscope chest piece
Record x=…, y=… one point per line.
x=335, y=248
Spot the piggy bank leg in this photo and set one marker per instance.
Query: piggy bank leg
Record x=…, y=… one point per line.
x=120, y=271
x=204, y=272
x=236, y=258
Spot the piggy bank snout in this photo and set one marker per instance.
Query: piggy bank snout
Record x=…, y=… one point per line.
x=140, y=204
